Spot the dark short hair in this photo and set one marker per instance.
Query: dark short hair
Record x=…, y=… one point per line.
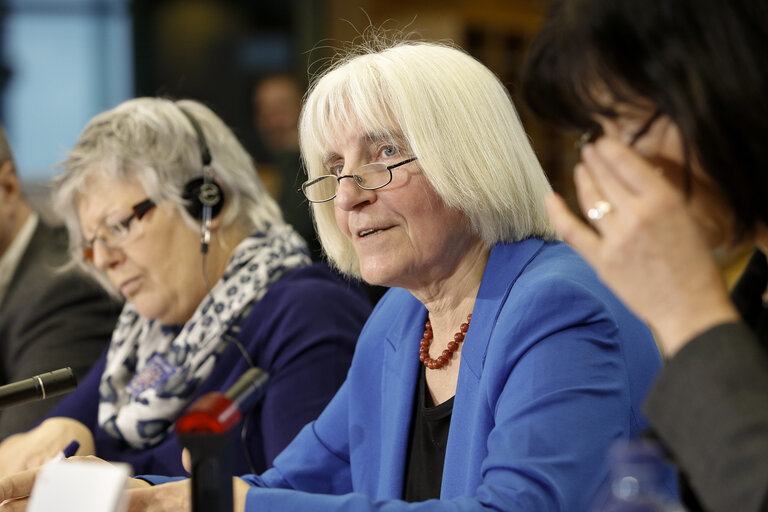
x=704, y=63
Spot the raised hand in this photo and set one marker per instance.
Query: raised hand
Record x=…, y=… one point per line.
x=644, y=243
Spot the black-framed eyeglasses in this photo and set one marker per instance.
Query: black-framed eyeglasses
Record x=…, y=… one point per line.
x=112, y=234
x=591, y=136
x=368, y=177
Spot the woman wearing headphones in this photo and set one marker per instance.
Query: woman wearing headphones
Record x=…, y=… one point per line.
x=164, y=205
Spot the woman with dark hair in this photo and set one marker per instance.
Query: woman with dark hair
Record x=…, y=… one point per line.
x=673, y=95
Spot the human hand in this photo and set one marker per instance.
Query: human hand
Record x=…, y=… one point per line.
x=31, y=449
x=186, y=460
x=16, y=488
x=647, y=247
x=176, y=497
x=157, y=498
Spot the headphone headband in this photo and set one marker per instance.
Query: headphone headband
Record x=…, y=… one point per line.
x=205, y=153
x=204, y=196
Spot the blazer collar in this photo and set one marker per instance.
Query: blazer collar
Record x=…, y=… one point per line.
x=505, y=264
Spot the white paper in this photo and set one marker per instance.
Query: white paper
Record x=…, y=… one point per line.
x=79, y=486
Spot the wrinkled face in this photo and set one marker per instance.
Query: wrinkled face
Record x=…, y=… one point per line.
x=658, y=139
x=403, y=234
x=158, y=266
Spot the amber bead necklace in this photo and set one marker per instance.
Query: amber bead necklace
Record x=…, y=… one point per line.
x=447, y=355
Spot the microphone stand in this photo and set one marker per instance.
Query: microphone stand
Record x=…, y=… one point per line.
x=212, y=471
x=206, y=429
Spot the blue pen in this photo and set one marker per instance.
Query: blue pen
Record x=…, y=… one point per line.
x=68, y=451
x=71, y=449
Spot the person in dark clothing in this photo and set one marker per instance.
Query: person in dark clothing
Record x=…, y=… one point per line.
x=276, y=106
x=50, y=318
x=673, y=98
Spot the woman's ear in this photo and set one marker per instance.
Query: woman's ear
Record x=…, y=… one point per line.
x=9, y=182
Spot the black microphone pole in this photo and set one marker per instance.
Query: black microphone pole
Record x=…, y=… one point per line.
x=39, y=387
x=206, y=429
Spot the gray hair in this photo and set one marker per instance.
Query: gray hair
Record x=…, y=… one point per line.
x=454, y=114
x=151, y=142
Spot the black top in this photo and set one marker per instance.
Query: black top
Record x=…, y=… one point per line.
x=426, y=449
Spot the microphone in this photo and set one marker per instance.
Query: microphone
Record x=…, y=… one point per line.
x=216, y=412
x=206, y=430
x=39, y=387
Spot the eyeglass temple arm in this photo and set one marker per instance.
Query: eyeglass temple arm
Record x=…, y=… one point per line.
x=398, y=164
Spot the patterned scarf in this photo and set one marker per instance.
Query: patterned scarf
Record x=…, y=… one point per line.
x=152, y=371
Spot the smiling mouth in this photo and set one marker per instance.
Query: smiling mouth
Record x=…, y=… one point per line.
x=366, y=232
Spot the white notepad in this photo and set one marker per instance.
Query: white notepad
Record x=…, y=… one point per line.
x=77, y=486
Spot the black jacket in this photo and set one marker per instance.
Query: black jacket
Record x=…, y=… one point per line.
x=709, y=406
x=49, y=320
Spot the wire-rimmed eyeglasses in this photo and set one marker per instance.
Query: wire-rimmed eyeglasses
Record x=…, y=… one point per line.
x=112, y=234
x=367, y=177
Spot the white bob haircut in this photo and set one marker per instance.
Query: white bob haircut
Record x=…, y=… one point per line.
x=454, y=114
x=149, y=141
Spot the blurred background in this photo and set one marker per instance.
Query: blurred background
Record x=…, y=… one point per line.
x=63, y=61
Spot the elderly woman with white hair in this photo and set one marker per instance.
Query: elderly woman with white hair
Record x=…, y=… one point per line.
x=164, y=205
x=496, y=371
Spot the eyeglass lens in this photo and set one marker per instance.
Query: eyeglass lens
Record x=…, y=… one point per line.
x=368, y=177
x=115, y=233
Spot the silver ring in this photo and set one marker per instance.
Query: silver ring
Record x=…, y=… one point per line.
x=600, y=209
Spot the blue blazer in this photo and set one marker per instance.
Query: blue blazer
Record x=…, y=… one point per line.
x=553, y=369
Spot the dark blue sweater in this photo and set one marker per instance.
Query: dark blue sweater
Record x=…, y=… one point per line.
x=302, y=332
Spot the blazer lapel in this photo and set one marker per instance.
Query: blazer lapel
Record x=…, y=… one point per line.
x=47, y=249
x=505, y=264
x=399, y=380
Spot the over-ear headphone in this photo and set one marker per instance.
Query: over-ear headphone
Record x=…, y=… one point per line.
x=204, y=196
x=201, y=194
